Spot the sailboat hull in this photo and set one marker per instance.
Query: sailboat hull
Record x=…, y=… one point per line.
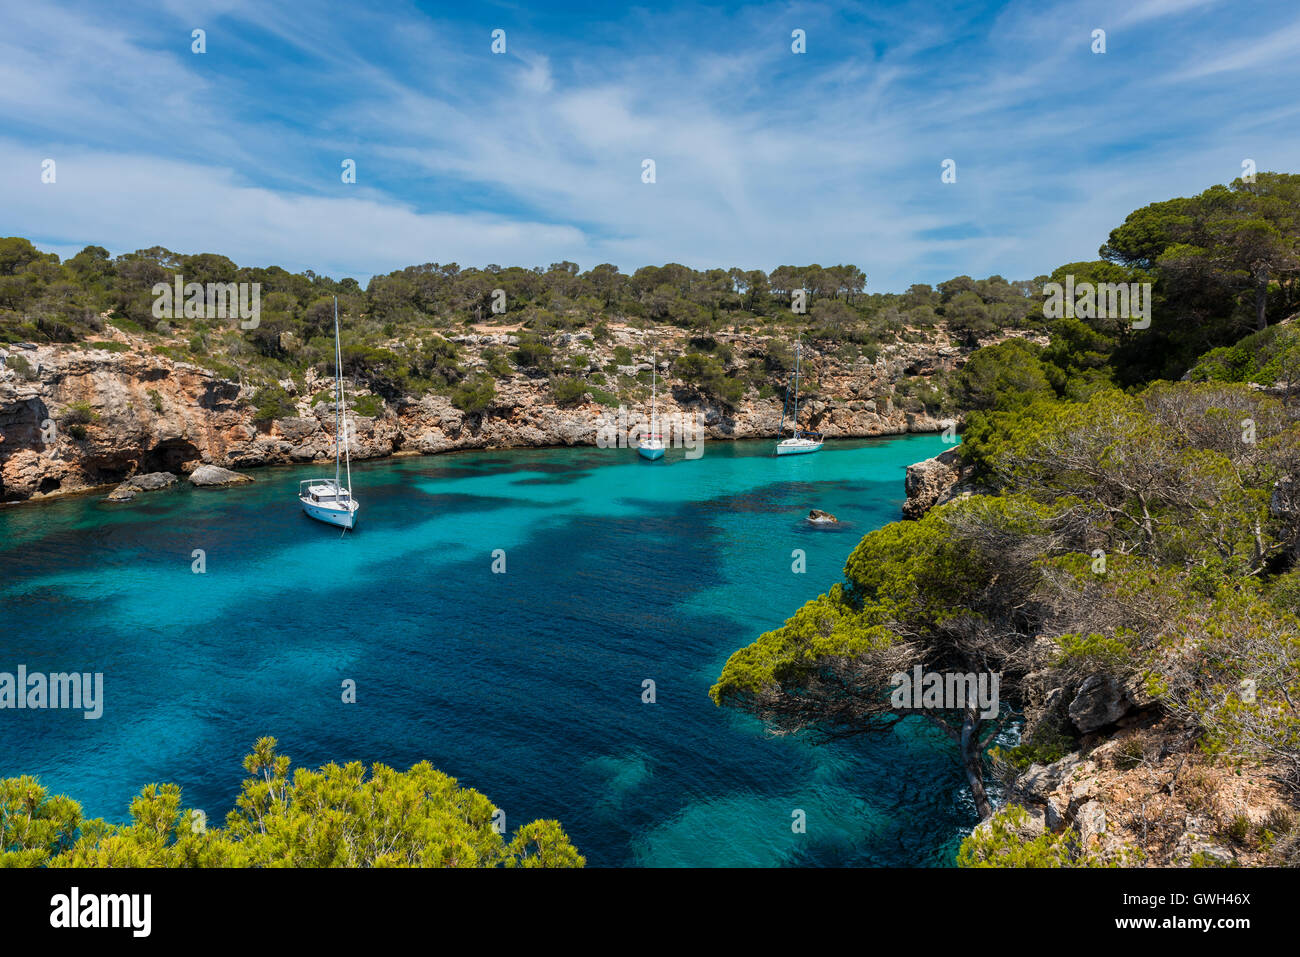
x=651, y=452
x=797, y=447
x=343, y=518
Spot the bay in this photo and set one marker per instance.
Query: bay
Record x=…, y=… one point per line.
x=526, y=685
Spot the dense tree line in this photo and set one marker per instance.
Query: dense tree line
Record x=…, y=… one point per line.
x=1220, y=264
x=397, y=329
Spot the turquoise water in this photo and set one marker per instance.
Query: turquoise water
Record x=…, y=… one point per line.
x=525, y=685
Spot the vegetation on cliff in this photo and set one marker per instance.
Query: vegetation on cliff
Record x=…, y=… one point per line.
x=1133, y=569
x=398, y=332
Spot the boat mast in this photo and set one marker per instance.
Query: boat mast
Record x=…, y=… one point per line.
x=798, y=349
x=654, y=394
x=340, y=436
x=338, y=394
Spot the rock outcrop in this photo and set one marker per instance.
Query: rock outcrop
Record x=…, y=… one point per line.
x=1100, y=701
x=1141, y=797
x=151, y=482
x=936, y=481
x=818, y=517
x=75, y=417
x=214, y=476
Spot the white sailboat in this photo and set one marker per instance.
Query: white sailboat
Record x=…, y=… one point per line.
x=325, y=499
x=801, y=442
x=651, y=445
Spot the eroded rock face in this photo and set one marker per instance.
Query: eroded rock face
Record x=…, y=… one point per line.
x=1091, y=821
x=137, y=412
x=934, y=482
x=1101, y=700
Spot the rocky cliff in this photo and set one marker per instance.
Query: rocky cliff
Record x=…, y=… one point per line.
x=1129, y=786
x=936, y=481
x=74, y=417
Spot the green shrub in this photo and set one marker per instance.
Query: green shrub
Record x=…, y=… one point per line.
x=1002, y=844
x=533, y=353
x=1239, y=829
x=272, y=402
x=1047, y=743
x=79, y=413
x=709, y=376
x=567, y=391
x=21, y=366
x=474, y=394
x=1204, y=859
x=497, y=363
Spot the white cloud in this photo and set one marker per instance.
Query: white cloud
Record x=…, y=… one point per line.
x=126, y=202
x=762, y=157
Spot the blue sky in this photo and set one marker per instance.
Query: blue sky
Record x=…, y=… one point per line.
x=762, y=156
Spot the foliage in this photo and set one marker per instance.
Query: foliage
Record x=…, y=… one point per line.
x=21, y=366
x=1003, y=842
x=368, y=405
x=566, y=390
x=338, y=816
x=273, y=402
x=709, y=375
x=474, y=394
x=1005, y=375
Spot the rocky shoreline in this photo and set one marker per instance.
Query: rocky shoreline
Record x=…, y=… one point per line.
x=80, y=418
x=1131, y=791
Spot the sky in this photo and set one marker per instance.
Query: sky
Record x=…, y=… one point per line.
x=762, y=156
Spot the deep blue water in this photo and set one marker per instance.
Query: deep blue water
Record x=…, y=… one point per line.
x=525, y=685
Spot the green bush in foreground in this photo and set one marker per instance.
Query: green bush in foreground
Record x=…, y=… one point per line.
x=1005, y=841
x=336, y=816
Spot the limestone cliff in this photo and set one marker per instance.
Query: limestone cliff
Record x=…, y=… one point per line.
x=936, y=481
x=74, y=417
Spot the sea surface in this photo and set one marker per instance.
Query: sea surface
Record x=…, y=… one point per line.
x=526, y=685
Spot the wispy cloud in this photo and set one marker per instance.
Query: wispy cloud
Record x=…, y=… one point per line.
x=762, y=156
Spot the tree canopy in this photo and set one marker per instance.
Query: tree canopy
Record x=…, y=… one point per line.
x=337, y=816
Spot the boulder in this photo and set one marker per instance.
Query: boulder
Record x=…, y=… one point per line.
x=150, y=482
x=297, y=430
x=1040, y=780
x=214, y=476
x=1196, y=843
x=818, y=517
x=1053, y=815
x=1091, y=820
x=1101, y=701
